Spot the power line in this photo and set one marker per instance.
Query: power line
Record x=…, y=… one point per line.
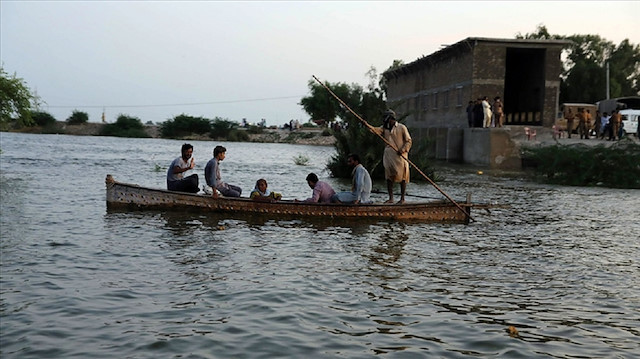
x=179, y=104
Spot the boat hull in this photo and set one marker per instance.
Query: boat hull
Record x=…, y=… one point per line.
x=131, y=196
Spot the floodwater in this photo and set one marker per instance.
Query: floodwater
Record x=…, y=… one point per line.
x=560, y=265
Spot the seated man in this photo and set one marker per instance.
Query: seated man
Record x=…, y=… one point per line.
x=213, y=178
x=361, y=184
x=322, y=191
x=175, y=174
x=261, y=193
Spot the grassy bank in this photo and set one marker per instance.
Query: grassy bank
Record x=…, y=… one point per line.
x=615, y=166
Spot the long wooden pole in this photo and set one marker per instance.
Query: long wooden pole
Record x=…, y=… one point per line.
x=371, y=128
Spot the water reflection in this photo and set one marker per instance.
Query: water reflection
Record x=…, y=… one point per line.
x=389, y=245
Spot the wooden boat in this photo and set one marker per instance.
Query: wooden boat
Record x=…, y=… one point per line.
x=131, y=196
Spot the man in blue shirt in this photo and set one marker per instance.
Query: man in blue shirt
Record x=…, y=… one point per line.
x=213, y=178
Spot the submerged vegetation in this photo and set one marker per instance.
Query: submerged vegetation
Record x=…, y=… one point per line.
x=616, y=166
x=301, y=160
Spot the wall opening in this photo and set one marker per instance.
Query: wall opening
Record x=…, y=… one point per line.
x=524, y=86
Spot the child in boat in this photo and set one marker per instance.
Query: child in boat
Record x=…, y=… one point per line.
x=261, y=193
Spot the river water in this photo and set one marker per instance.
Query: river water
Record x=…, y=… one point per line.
x=561, y=265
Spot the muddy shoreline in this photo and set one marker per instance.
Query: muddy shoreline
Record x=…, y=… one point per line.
x=304, y=136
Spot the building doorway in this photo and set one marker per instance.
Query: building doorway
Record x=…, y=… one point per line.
x=524, y=86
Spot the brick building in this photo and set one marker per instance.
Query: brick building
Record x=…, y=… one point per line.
x=434, y=90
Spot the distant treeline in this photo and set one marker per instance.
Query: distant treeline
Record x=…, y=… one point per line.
x=216, y=128
x=128, y=126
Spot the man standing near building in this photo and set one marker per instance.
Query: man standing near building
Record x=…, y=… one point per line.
x=615, y=121
x=486, y=109
x=498, y=112
x=583, y=123
x=396, y=166
x=569, y=116
x=470, y=114
x=478, y=114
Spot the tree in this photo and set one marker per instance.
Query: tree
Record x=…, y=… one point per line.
x=584, y=70
x=43, y=119
x=624, y=69
x=321, y=106
x=78, y=118
x=16, y=100
x=125, y=126
x=383, y=80
x=356, y=137
x=221, y=128
x=184, y=125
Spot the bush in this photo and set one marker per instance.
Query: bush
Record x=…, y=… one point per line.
x=78, y=118
x=43, y=119
x=125, y=126
x=616, y=166
x=222, y=128
x=184, y=125
x=422, y=156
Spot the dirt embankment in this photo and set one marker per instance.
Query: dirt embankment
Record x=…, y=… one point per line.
x=300, y=137
x=303, y=136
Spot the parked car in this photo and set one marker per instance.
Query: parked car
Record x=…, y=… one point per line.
x=630, y=121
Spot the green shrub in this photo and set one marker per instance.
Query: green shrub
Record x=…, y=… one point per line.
x=78, y=118
x=184, y=125
x=43, y=119
x=616, y=166
x=301, y=160
x=422, y=156
x=222, y=128
x=125, y=126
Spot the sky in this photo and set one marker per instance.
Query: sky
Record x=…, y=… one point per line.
x=252, y=59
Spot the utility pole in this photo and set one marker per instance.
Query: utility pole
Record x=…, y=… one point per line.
x=608, y=80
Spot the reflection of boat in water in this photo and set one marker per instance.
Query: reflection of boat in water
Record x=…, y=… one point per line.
x=131, y=196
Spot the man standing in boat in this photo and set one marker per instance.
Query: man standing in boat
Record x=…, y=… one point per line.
x=396, y=167
x=213, y=178
x=360, y=186
x=175, y=174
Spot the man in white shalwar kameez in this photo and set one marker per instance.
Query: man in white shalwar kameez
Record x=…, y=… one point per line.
x=486, y=110
x=396, y=168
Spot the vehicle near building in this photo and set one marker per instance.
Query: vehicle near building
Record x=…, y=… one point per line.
x=561, y=122
x=630, y=119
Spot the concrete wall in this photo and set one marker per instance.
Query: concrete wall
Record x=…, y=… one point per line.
x=488, y=147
